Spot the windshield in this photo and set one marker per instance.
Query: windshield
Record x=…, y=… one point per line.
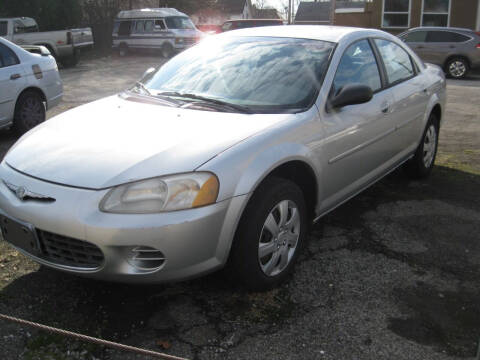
x=262, y=73
x=179, y=22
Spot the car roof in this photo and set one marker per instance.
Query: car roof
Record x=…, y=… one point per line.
x=440, y=28
x=149, y=13
x=314, y=32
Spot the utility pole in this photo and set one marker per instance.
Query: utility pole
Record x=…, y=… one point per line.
x=333, y=6
x=289, y=18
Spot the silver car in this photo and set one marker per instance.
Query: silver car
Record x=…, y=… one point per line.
x=223, y=157
x=456, y=50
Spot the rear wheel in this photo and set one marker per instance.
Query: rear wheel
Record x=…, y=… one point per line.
x=71, y=60
x=422, y=162
x=29, y=112
x=123, y=49
x=270, y=235
x=457, y=68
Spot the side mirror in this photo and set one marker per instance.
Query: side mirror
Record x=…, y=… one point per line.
x=147, y=74
x=351, y=94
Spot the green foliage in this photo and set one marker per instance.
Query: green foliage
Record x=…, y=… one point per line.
x=49, y=14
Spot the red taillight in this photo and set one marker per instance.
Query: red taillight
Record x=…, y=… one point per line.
x=478, y=46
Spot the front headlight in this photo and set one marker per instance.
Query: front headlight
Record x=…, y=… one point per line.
x=166, y=193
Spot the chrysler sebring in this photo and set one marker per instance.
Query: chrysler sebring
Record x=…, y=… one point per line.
x=222, y=157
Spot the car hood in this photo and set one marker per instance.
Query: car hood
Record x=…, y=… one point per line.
x=116, y=140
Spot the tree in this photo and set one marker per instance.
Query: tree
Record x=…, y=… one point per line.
x=49, y=14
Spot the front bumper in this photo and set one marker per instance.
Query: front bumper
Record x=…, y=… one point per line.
x=193, y=242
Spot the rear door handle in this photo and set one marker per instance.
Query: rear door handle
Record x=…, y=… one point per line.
x=385, y=110
x=15, y=76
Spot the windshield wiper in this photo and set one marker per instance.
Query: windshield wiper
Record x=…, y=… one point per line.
x=238, y=108
x=143, y=87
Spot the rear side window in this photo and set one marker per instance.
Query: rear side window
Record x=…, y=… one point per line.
x=139, y=26
x=3, y=28
x=398, y=64
x=149, y=26
x=7, y=57
x=415, y=36
x=446, y=36
x=358, y=65
x=124, y=28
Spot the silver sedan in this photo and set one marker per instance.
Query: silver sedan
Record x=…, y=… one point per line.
x=222, y=157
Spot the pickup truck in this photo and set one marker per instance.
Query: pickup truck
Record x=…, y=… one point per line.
x=64, y=45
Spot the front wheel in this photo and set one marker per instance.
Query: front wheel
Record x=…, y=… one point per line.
x=421, y=164
x=270, y=235
x=167, y=51
x=29, y=112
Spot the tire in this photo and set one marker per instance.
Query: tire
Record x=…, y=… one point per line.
x=457, y=68
x=123, y=50
x=29, y=112
x=167, y=51
x=71, y=60
x=421, y=164
x=254, y=232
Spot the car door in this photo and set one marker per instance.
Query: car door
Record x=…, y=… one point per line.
x=357, y=137
x=409, y=92
x=12, y=80
x=444, y=43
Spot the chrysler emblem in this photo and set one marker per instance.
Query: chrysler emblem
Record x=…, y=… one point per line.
x=23, y=193
x=20, y=192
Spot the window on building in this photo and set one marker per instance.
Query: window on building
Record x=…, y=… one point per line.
x=396, y=14
x=435, y=12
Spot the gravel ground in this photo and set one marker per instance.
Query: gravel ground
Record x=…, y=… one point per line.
x=393, y=273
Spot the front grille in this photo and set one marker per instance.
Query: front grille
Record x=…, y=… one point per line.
x=63, y=250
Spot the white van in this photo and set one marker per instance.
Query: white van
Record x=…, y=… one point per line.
x=166, y=29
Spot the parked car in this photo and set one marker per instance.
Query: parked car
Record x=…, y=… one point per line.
x=222, y=157
x=456, y=50
x=248, y=23
x=29, y=85
x=64, y=45
x=166, y=29
x=209, y=28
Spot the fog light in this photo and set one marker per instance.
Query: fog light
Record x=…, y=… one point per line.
x=146, y=258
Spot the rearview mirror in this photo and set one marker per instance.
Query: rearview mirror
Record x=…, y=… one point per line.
x=351, y=94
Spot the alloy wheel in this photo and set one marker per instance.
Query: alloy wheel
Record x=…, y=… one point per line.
x=429, y=146
x=32, y=112
x=279, y=238
x=457, y=68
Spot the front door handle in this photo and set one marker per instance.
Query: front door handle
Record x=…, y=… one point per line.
x=420, y=47
x=15, y=76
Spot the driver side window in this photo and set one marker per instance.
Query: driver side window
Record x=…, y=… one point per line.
x=358, y=65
